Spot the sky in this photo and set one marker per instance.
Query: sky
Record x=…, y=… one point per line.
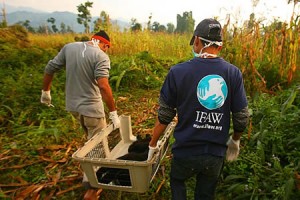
x=165, y=11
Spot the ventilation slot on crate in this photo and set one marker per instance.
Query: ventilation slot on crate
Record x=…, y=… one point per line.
x=113, y=176
x=113, y=139
x=96, y=152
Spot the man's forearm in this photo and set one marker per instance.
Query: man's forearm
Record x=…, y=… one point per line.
x=108, y=100
x=106, y=93
x=157, y=131
x=47, y=81
x=236, y=135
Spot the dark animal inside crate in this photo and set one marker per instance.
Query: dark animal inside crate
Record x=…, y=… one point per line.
x=115, y=176
x=137, y=151
x=140, y=145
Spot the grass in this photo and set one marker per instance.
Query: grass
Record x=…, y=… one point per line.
x=36, y=142
x=37, y=162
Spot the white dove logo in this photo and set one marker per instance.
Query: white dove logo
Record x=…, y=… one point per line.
x=212, y=91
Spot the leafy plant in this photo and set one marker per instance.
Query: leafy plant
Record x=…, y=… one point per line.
x=270, y=158
x=141, y=71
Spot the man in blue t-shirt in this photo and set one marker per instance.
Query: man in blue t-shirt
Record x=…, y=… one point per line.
x=204, y=93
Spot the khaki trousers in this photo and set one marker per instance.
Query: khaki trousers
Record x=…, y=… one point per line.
x=91, y=126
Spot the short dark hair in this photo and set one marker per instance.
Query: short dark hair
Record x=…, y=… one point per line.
x=103, y=37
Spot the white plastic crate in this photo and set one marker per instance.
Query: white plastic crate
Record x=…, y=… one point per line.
x=98, y=157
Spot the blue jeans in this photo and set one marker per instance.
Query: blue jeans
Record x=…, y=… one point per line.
x=206, y=168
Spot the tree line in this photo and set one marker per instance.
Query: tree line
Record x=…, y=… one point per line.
x=185, y=23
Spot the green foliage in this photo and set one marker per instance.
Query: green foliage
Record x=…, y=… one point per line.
x=270, y=158
x=135, y=26
x=3, y=24
x=21, y=74
x=81, y=38
x=102, y=23
x=185, y=23
x=51, y=20
x=170, y=28
x=139, y=71
x=84, y=15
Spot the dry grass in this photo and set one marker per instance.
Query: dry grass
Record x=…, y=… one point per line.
x=267, y=56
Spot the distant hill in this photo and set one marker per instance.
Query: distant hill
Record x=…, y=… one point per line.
x=39, y=18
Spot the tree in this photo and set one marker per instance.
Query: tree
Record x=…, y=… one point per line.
x=170, y=28
x=63, y=28
x=69, y=29
x=155, y=26
x=3, y=24
x=102, y=23
x=135, y=26
x=53, y=26
x=162, y=28
x=26, y=24
x=251, y=22
x=84, y=15
x=43, y=29
x=149, y=22
x=185, y=23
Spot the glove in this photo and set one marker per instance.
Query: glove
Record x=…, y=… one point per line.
x=233, y=149
x=151, y=152
x=115, y=119
x=46, y=98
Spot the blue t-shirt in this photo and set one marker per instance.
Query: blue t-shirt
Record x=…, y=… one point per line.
x=204, y=93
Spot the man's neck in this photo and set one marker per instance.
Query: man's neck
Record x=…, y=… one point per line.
x=210, y=52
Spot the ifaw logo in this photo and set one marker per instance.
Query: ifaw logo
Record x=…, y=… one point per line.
x=212, y=91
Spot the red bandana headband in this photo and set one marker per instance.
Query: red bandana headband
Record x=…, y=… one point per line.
x=102, y=39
